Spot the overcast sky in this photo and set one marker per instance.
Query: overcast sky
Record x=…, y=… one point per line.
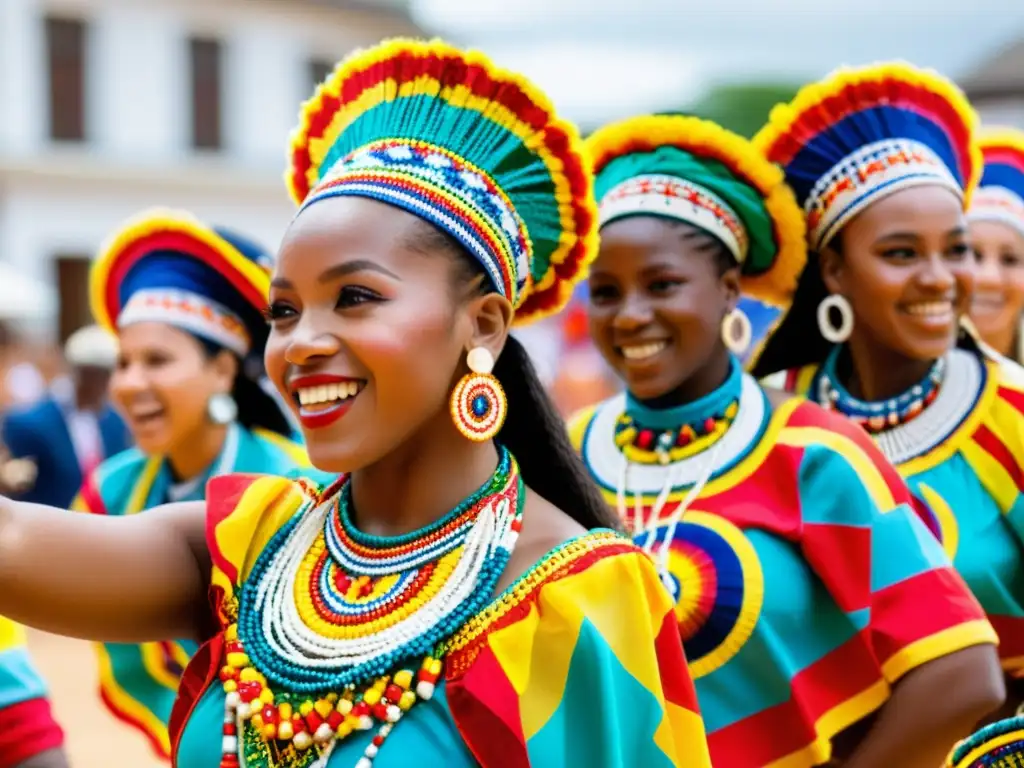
x=600, y=59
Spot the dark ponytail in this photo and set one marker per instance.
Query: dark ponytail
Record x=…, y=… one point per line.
x=537, y=436
x=797, y=341
x=257, y=409
x=534, y=431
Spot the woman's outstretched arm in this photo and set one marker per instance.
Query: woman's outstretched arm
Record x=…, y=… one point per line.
x=121, y=579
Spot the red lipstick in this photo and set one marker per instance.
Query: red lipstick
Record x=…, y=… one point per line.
x=325, y=412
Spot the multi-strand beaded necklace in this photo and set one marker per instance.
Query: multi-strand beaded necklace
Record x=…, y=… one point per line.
x=728, y=411
x=649, y=436
x=339, y=631
x=878, y=416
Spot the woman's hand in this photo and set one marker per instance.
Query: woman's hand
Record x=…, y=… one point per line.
x=120, y=579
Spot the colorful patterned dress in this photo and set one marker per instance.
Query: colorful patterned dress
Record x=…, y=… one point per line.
x=963, y=456
x=27, y=727
x=138, y=682
x=577, y=663
x=806, y=584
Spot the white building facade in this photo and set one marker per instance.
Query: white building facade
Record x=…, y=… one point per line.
x=137, y=136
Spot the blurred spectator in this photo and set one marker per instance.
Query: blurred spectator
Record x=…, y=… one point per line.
x=23, y=383
x=51, y=446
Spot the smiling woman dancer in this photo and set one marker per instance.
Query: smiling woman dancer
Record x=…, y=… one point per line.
x=884, y=161
x=455, y=599
x=809, y=593
x=996, y=223
x=185, y=301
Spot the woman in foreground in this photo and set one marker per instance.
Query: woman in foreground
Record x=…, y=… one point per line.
x=822, y=622
x=456, y=598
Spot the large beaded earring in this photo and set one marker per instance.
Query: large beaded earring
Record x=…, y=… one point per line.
x=478, y=403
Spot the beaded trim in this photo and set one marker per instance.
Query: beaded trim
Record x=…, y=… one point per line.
x=436, y=184
x=994, y=203
x=332, y=622
x=647, y=445
x=680, y=199
x=571, y=557
x=606, y=462
x=875, y=417
x=882, y=167
x=964, y=381
x=189, y=311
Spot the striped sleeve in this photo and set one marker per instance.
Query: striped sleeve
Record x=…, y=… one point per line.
x=19, y=679
x=995, y=449
x=588, y=670
x=871, y=548
x=88, y=498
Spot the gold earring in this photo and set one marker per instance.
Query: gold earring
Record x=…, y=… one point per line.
x=736, y=332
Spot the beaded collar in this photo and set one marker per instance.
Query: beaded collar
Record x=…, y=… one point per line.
x=339, y=631
x=962, y=383
x=649, y=436
x=878, y=416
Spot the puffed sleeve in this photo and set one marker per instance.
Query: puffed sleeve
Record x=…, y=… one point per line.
x=580, y=664
x=863, y=536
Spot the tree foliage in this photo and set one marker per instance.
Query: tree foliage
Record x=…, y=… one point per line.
x=741, y=107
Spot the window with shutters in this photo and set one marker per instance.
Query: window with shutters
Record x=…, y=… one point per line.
x=72, y=277
x=66, y=41
x=205, y=59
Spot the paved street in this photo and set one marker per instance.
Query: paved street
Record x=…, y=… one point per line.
x=94, y=738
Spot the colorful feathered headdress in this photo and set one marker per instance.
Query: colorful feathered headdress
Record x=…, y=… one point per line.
x=167, y=266
x=474, y=149
x=695, y=171
x=1000, y=195
x=864, y=133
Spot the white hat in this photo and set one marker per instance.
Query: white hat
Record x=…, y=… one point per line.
x=91, y=346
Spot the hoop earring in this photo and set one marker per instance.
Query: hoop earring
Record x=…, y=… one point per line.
x=221, y=408
x=478, y=403
x=736, y=332
x=837, y=335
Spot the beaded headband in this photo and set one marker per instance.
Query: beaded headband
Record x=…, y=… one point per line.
x=191, y=312
x=678, y=199
x=1000, y=196
x=862, y=134
x=471, y=148
x=441, y=187
x=864, y=176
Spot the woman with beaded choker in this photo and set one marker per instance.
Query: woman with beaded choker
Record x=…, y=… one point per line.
x=884, y=160
x=185, y=301
x=811, y=600
x=456, y=598
x=996, y=225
